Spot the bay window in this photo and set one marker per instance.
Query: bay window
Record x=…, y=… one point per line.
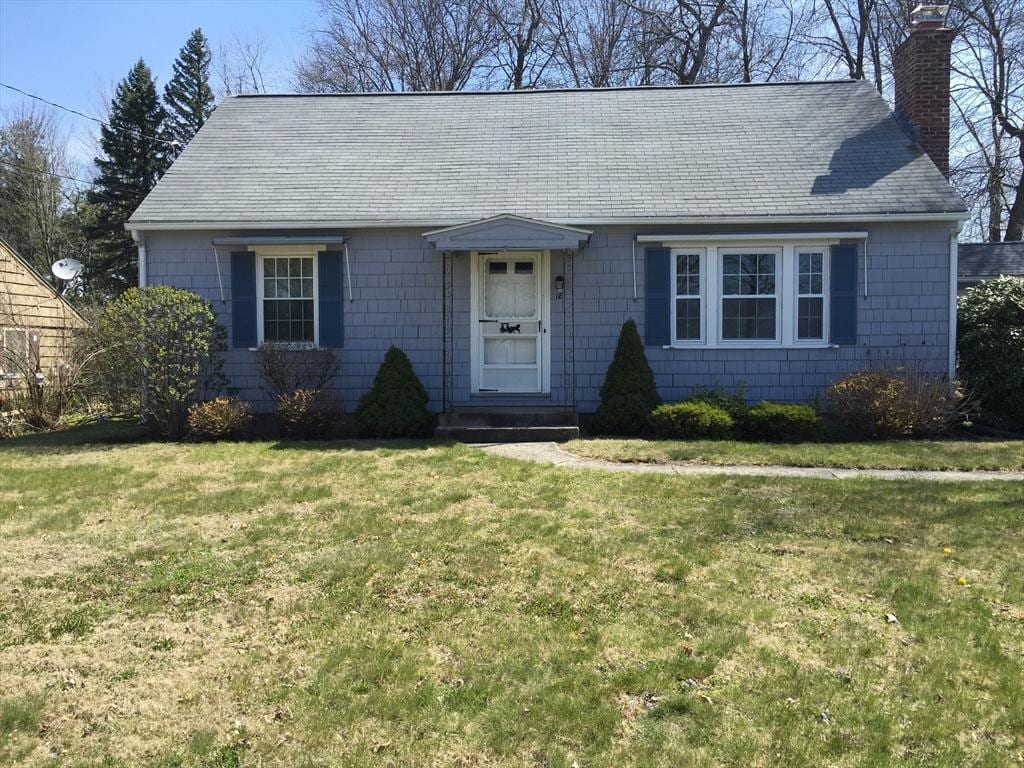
x=756, y=294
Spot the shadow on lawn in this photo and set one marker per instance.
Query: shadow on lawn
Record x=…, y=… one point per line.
x=110, y=434
x=107, y=434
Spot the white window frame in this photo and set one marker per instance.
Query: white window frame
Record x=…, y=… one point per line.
x=285, y=252
x=722, y=296
x=787, y=284
x=702, y=254
x=4, y=330
x=825, y=276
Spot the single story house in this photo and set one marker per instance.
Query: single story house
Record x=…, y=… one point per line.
x=37, y=324
x=773, y=236
x=987, y=261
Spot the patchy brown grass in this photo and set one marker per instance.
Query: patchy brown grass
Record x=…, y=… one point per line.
x=349, y=604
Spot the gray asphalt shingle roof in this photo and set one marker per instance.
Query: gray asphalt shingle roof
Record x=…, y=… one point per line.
x=980, y=260
x=586, y=156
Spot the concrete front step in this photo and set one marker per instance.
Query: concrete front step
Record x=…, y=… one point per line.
x=508, y=417
x=493, y=434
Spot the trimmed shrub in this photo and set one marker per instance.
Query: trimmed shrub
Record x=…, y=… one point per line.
x=219, y=419
x=735, y=404
x=886, y=405
x=307, y=414
x=154, y=350
x=691, y=421
x=990, y=343
x=628, y=394
x=396, y=405
x=782, y=423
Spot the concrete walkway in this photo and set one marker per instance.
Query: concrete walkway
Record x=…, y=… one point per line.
x=552, y=453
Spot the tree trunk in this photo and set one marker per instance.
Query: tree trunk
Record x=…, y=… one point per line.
x=1015, y=224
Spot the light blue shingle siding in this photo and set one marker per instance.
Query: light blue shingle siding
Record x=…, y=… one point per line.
x=397, y=287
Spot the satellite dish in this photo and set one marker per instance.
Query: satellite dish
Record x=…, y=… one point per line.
x=67, y=269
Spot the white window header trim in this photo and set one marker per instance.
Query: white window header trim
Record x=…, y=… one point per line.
x=765, y=237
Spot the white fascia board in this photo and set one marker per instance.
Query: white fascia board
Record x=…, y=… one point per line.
x=438, y=223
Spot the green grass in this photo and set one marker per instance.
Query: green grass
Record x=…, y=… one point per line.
x=966, y=454
x=423, y=604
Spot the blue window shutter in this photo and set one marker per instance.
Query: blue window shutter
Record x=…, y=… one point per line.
x=657, y=310
x=331, y=276
x=843, y=295
x=243, y=299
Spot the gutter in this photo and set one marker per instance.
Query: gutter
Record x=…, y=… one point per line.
x=435, y=223
x=953, y=286
x=140, y=240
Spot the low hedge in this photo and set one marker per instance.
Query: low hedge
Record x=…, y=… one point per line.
x=222, y=418
x=691, y=420
x=782, y=423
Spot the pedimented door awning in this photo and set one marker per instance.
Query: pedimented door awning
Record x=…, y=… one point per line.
x=507, y=232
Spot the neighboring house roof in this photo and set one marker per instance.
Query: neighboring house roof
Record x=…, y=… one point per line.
x=31, y=272
x=570, y=156
x=984, y=261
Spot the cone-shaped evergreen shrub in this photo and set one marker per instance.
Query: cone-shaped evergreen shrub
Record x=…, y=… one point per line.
x=628, y=394
x=396, y=405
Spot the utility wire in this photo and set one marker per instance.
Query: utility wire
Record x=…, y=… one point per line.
x=19, y=166
x=173, y=144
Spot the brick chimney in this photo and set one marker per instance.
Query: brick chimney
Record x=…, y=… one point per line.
x=921, y=66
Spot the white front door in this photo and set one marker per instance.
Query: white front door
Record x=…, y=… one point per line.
x=510, y=344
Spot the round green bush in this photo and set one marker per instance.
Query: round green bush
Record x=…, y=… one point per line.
x=155, y=350
x=691, y=421
x=396, y=405
x=734, y=404
x=628, y=394
x=990, y=344
x=782, y=423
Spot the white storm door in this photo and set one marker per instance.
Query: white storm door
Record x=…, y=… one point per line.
x=509, y=319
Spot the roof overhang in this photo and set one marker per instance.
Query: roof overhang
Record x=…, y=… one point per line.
x=280, y=240
x=576, y=221
x=507, y=232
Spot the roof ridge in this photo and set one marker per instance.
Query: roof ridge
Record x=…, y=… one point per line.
x=535, y=91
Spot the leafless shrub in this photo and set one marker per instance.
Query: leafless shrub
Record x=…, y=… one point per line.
x=286, y=369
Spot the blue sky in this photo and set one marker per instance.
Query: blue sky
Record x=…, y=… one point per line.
x=73, y=51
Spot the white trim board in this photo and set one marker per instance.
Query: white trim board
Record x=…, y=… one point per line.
x=765, y=236
x=440, y=223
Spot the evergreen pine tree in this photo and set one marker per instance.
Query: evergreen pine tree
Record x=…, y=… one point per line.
x=136, y=152
x=628, y=394
x=396, y=405
x=188, y=96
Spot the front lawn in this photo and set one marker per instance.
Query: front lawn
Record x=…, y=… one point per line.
x=896, y=454
x=430, y=605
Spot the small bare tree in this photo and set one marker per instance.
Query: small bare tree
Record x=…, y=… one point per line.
x=34, y=201
x=241, y=66
x=525, y=42
x=397, y=45
x=592, y=48
x=683, y=34
x=989, y=97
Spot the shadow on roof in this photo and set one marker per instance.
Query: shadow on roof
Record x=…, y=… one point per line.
x=858, y=164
